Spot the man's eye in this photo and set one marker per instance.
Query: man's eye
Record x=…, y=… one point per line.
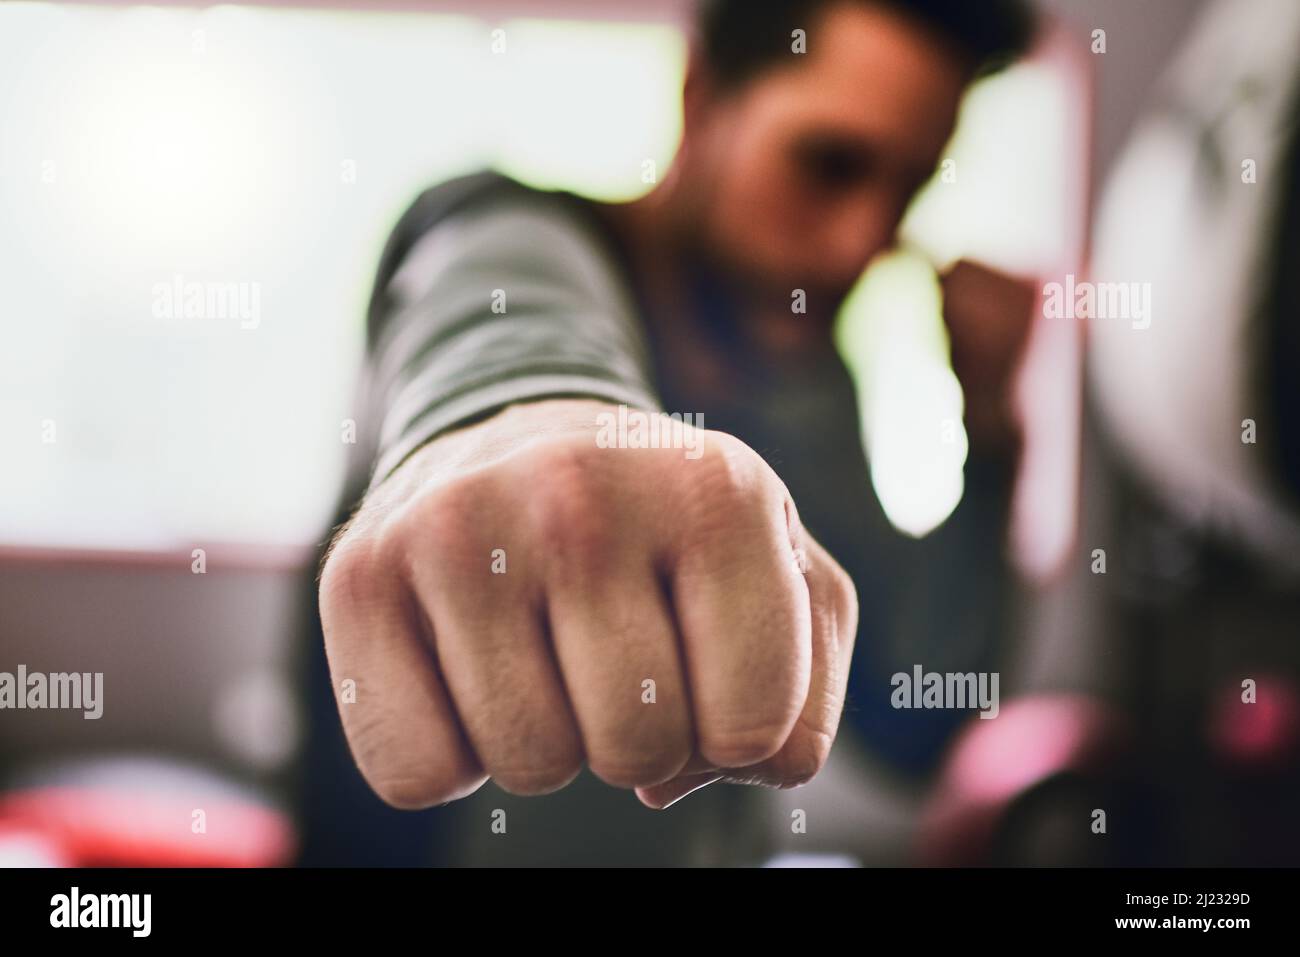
x=834, y=167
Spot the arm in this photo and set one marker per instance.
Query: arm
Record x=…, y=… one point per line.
x=514, y=600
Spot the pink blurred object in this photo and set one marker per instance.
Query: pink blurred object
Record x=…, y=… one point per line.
x=994, y=762
x=1263, y=734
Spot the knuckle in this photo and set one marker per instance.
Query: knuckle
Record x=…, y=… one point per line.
x=561, y=469
x=440, y=523
x=728, y=470
x=444, y=517
x=729, y=492
x=565, y=502
x=348, y=576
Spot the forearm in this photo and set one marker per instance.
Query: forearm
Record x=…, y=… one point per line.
x=512, y=304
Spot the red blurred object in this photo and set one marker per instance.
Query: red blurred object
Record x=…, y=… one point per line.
x=104, y=828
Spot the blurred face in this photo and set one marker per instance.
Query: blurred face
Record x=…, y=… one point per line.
x=801, y=175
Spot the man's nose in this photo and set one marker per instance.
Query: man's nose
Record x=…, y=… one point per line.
x=853, y=238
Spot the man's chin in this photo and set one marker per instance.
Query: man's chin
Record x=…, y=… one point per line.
x=774, y=291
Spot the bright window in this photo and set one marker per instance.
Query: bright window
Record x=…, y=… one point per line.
x=193, y=205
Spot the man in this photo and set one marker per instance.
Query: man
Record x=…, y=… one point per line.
x=519, y=593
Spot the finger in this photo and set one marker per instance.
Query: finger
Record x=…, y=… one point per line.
x=742, y=607
x=618, y=650
x=396, y=712
x=834, y=626
x=497, y=662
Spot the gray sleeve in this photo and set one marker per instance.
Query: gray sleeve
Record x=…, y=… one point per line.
x=505, y=301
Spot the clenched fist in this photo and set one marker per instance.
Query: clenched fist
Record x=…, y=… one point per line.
x=516, y=600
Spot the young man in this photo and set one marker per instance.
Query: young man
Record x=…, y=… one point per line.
x=519, y=593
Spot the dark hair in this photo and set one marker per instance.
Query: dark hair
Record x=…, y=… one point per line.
x=741, y=37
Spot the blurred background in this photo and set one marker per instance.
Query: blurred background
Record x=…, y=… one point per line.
x=168, y=478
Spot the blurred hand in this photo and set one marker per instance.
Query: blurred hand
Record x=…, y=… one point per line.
x=516, y=600
x=989, y=316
